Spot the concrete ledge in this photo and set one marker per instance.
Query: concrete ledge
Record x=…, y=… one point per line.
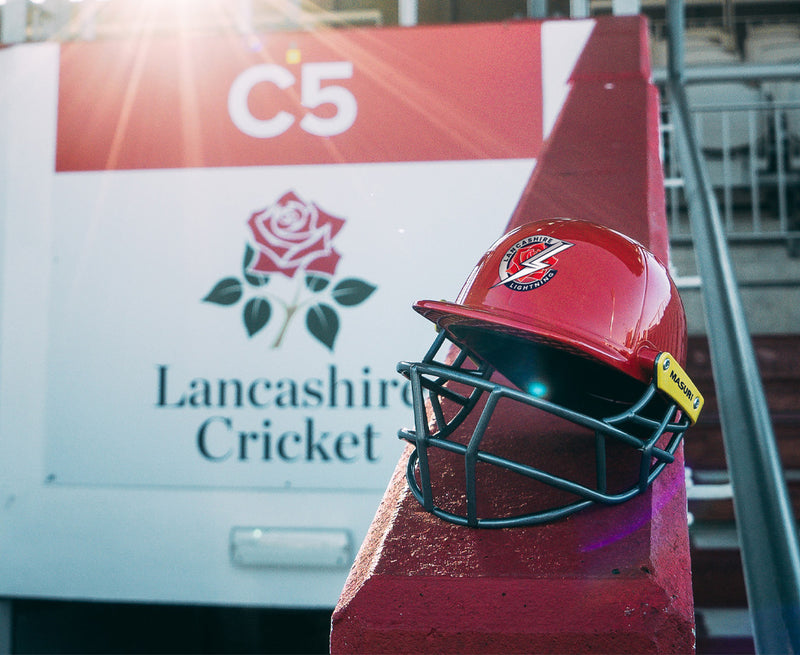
x=607, y=579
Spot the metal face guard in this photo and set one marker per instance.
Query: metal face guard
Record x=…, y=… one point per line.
x=429, y=379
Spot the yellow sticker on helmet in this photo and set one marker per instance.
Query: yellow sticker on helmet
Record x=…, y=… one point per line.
x=673, y=381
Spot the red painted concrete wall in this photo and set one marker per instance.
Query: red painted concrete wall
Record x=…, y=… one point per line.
x=605, y=580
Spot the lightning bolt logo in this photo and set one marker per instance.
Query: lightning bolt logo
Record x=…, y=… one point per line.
x=528, y=264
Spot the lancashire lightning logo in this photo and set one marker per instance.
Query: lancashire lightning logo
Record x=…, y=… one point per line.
x=528, y=264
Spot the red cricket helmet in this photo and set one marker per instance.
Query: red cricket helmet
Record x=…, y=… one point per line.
x=588, y=326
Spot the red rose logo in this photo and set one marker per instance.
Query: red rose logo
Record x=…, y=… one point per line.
x=294, y=235
x=523, y=255
x=528, y=264
x=287, y=237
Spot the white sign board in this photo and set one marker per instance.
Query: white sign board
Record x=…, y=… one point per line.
x=210, y=250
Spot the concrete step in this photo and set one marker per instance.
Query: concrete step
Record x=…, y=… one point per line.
x=778, y=358
x=723, y=624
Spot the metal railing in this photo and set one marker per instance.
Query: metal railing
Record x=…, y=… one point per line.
x=764, y=520
x=751, y=151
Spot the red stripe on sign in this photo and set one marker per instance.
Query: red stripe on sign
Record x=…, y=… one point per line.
x=333, y=96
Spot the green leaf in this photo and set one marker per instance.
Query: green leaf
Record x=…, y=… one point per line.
x=255, y=279
x=316, y=283
x=323, y=323
x=226, y=292
x=249, y=253
x=256, y=314
x=352, y=291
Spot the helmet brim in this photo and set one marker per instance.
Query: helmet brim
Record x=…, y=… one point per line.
x=459, y=320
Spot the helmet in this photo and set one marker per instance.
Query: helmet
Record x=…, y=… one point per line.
x=564, y=348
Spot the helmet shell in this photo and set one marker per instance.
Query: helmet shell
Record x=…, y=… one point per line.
x=573, y=285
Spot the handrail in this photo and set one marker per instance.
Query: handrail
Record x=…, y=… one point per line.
x=765, y=523
x=731, y=73
x=754, y=149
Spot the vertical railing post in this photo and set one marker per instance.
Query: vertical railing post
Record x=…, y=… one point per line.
x=407, y=12
x=675, y=31
x=13, y=21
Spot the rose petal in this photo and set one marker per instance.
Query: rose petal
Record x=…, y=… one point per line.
x=317, y=244
x=326, y=220
x=288, y=197
x=265, y=264
x=325, y=264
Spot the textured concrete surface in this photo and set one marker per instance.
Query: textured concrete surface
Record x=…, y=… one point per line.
x=607, y=579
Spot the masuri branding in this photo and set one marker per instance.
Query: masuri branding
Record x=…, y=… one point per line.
x=294, y=239
x=681, y=385
x=676, y=383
